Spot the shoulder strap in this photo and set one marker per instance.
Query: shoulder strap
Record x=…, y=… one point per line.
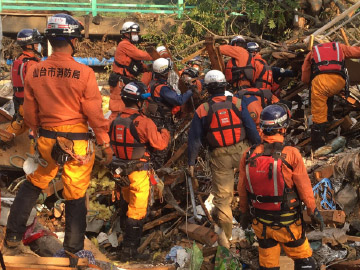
x=133, y=130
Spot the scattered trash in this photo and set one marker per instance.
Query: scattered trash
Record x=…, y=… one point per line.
x=224, y=260
x=334, y=146
x=325, y=254
x=347, y=198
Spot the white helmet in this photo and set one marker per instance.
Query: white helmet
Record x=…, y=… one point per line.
x=129, y=27
x=215, y=79
x=238, y=41
x=162, y=66
x=163, y=52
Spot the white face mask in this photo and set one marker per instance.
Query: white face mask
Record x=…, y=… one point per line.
x=135, y=38
x=39, y=48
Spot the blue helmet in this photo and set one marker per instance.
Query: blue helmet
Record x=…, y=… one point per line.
x=274, y=117
x=28, y=37
x=63, y=25
x=253, y=47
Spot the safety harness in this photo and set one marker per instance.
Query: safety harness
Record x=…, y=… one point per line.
x=162, y=107
x=272, y=202
x=63, y=149
x=328, y=58
x=235, y=74
x=224, y=123
x=265, y=78
x=18, y=71
x=125, y=140
x=264, y=94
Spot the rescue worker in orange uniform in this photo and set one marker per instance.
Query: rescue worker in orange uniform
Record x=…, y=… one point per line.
x=256, y=100
x=324, y=70
x=30, y=42
x=165, y=103
x=127, y=65
x=131, y=133
x=239, y=70
x=263, y=77
x=273, y=181
x=224, y=124
x=61, y=99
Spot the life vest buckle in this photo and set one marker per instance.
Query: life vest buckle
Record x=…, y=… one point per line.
x=326, y=63
x=257, y=198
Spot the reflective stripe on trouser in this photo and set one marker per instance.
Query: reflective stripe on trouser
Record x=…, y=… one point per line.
x=137, y=194
x=269, y=248
x=324, y=86
x=75, y=177
x=16, y=127
x=223, y=161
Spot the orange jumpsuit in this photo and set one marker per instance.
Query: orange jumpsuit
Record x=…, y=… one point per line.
x=137, y=194
x=269, y=247
x=241, y=57
x=326, y=85
x=62, y=95
x=19, y=127
x=125, y=52
x=255, y=105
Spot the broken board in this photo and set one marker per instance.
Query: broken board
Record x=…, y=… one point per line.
x=20, y=148
x=353, y=68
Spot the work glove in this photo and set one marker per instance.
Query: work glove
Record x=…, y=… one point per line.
x=245, y=220
x=317, y=218
x=107, y=153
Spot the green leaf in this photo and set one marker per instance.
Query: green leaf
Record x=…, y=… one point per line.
x=271, y=24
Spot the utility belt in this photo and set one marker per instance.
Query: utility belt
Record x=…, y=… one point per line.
x=121, y=168
x=68, y=135
x=18, y=89
x=62, y=150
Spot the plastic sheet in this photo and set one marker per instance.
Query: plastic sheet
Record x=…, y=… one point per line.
x=325, y=255
x=224, y=260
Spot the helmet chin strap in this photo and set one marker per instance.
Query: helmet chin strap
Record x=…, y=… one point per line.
x=72, y=46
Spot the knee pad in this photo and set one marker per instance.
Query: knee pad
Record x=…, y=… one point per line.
x=305, y=264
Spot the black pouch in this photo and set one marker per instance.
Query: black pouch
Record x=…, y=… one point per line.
x=122, y=181
x=114, y=79
x=59, y=154
x=136, y=67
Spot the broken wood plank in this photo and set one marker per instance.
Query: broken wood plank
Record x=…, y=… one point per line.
x=176, y=156
x=146, y=242
x=213, y=55
x=191, y=56
x=199, y=233
x=25, y=266
x=296, y=91
x=335, y=20
x=345, y=38
x=329, y=216
x=352, y=265
x=54, y=261
x=160, y=221
x=172, y=59
x=324, y=172
x=147, y=266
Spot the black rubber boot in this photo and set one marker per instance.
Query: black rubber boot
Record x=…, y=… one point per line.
x=307, y=263
x=132, y=237
x=330, y=105
x=123, y=206
x=20, y=211
x=318, y=136
x=75, y=225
